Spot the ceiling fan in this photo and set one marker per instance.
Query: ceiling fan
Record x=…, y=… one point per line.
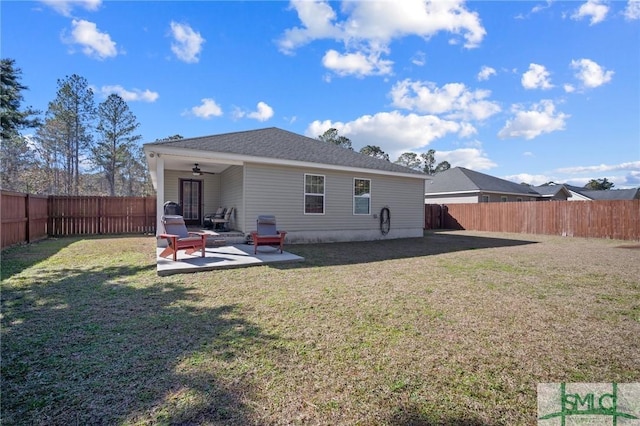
x=198, y=172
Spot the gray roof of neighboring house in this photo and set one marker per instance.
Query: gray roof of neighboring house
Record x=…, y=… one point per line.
x=551, y=190
x=459, y=179
x=611, y=194
x=548, y=190
x=276, y=143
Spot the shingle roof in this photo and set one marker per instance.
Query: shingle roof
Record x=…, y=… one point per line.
x=280, y=144
x=459, y=179
x=611, y=194
x=551, y=190
x=548, y=190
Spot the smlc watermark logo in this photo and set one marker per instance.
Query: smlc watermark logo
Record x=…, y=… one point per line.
x=569, y=404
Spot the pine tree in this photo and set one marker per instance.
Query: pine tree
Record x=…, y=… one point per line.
x=68, y=123
x=113, y=153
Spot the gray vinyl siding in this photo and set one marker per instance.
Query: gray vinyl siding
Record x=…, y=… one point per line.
x=210, y=188
x=231, y=194
x=280, y=191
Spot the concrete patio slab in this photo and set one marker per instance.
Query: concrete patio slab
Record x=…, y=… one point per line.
x=231, y=256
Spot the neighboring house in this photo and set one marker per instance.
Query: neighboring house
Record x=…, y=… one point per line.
x=317, y=191
x=460, y=185
x=576, y=195
x=582, y=194
x=555, y=192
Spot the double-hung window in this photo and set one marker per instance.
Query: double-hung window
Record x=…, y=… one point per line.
x=313, y=194
x=361, y=196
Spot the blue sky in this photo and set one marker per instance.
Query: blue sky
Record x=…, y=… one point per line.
x=531, y=91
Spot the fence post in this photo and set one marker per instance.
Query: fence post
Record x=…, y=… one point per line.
x=27, y=201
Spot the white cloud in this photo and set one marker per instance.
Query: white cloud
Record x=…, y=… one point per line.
x=357, y=63
x=317, y=19
x=485, y=73
x=540, y=7
x=393, y=131
x=129, y=95
x=207, y=109
x=632, y=11
x=534, y=180
x=590, y=73
x=593, y=9
x=419, y=59
x=633, y=166
x=542, y=118
x=369, y=28
x=569, y=88
x=187, y=43
x=263, y=112
x=454, y=100
x=536, y=78
x=65, y=7
x=623, y=175
x=93, y=42
x=470, y=158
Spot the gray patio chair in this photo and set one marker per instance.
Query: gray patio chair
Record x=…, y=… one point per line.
x=179, y=238
x=224, y=222
x=267, y=233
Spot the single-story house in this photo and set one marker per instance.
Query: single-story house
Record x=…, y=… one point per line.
x=461, y=185
x=317, y=191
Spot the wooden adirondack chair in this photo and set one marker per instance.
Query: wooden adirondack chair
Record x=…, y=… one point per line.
x=179, y=238
x=267, y=233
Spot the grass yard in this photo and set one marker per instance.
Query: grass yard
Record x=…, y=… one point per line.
x=453, y=328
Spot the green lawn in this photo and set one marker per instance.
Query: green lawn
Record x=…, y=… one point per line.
x=452, y=328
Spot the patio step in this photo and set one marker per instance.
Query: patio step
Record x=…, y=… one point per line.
x=225, y=238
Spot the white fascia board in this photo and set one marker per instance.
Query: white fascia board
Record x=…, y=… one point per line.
x=239, y=159
x=429, y=194
x=517, y=194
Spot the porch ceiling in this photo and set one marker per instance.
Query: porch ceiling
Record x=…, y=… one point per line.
x=207, y=166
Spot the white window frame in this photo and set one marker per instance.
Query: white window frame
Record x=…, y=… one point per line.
x=360, y=196
x=504, y=198
x=323, y=194
x=485, y=198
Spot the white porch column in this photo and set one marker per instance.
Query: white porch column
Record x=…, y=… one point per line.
x=159, y=193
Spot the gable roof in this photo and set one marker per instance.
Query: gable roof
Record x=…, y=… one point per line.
x=461, y=180
x=277, y=144
x=550, y=191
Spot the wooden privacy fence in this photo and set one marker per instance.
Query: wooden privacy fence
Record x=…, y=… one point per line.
x=24, y=218
x=591, y=219
x=27, y=218
x=101, y=215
